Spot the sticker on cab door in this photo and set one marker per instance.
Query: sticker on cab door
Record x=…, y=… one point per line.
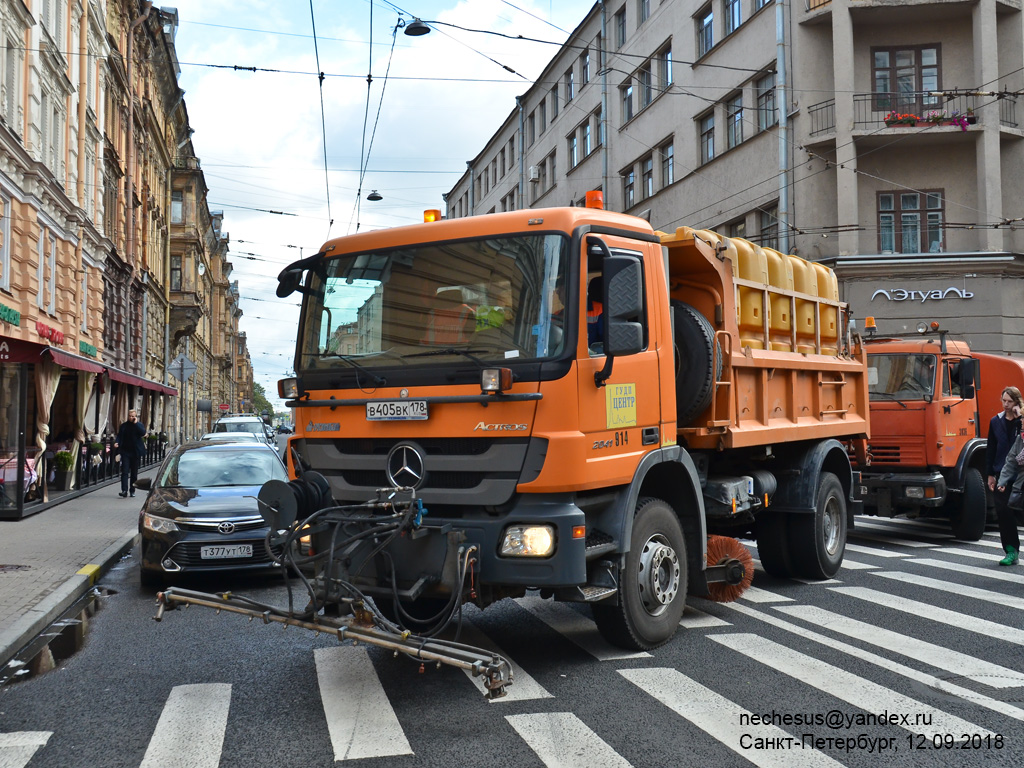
x=620, y=405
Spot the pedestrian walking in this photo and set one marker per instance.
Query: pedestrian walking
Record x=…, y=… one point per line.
x=132, y=446
x=1004, y=457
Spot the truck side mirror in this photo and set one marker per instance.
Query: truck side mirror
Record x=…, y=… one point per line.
x=288, y=282
x=623, y=304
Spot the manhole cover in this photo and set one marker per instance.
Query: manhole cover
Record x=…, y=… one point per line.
x=6, y=568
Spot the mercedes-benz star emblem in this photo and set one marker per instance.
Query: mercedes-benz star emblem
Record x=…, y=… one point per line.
x=405, y=467
x=226, y=527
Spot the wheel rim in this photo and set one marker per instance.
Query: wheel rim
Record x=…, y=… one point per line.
x=831, y=520
x=658, y=576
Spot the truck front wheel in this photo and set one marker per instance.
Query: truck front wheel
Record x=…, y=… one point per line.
x=652, y=585
x=818, y=541
x=967, y=518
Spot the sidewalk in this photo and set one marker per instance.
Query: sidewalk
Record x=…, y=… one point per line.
x=49, y=560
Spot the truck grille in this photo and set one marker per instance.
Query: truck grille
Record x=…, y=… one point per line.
x=894, y=453
x=477, y=471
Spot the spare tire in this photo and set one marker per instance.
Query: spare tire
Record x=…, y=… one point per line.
x=698, y=361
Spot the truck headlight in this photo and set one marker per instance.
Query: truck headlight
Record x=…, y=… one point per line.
x=158, y=524
x=528, y=541
x=913, y=492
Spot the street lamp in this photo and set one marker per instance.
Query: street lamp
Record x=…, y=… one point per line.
x=416, y=29
x=374, y=196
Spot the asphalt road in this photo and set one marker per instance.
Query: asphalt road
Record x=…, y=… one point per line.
x=916, y=648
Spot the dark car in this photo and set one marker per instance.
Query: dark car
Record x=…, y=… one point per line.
x=201, y=513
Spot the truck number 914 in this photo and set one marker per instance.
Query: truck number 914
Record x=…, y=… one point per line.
x=621, y=438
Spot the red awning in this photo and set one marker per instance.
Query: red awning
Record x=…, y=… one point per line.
x=18, y=351
x=130, y=378
x=68, y=360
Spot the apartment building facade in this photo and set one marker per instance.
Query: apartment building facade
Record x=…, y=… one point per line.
x=92, y=127
x=879, y=137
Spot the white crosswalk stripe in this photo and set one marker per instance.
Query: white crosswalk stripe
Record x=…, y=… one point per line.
x=873, y=551
x=16, y=749
x=987, y=556
x=360, y=719
x=562, y=740
x=524, y=687
x=984, y=595
x=853, y=565
x=918, y=609
x=884, y=528
x=994, y=572
x=884, y=663
x=846, y=686
x=898, y=542
x=578, y=628
x=191, y=727
x=720, y=718
x=955, y=662
x=758, y=595
x=694, y=619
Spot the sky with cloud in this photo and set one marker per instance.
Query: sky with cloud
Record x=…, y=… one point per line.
x=431, y=103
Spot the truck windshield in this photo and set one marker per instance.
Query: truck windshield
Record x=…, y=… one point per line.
x=901, y=376
x=497, y=298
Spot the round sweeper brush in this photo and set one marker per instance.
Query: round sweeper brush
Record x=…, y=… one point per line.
x=722, y=549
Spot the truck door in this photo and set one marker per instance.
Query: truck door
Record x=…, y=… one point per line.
x=619, y=419
x=957, y=415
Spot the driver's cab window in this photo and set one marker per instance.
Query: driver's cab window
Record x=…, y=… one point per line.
x=951, y=378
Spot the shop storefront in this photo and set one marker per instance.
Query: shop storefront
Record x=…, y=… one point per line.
x=58, y=415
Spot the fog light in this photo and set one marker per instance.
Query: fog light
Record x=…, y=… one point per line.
x=158, y=524
x=913, y=492
x=528, y=541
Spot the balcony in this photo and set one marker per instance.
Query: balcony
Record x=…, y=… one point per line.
x=187, y=309
x=871, y=110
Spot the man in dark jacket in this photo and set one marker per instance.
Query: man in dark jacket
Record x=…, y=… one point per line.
x=132, y=446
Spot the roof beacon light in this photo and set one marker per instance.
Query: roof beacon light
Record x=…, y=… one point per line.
x=595, y=199
x=431, y=214
x=869, y=325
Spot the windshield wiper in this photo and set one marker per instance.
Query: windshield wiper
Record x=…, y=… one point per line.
x=379, y=381
x=452, y=351
x=888, y=395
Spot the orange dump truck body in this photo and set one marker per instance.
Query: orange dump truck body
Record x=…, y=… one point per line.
x=578, y=402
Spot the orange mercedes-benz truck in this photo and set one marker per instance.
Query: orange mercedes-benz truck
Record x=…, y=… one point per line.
x=571, y=402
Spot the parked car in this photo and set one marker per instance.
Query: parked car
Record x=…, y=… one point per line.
x=201, y=515
x=245, y=423
x=285, y=429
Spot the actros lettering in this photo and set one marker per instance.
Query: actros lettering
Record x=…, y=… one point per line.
x=482, y=427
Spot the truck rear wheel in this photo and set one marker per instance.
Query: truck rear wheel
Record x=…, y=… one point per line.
x=967, y=518
x=818, y=541
x=652, y=585
x=773, y=544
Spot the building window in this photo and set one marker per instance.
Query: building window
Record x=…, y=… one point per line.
x=647, y=177
x=664, y=58
x=502, y=156
x=570, y=86
x=646, y=86
x=911, y=222
x=759, y=4
x=11, y=80
x=734, y=121
x=737, y=228
x=531, y=130
x=904, y=77
x=766, y=115
x=628, y=188
x=585, y=67
x=626, y=92
x=733, y=18
x=769, y=219
x=542, y=116
x=705, y=38
x=643, y=11
x=587, y=148
x=599, y=122
x=668, y=171
x=5, y=243
x=573, y=147
x=620, y=28
x=554, y=102
x=707, y=138
x=511, y=151
x=177, y=205
x=175, y=273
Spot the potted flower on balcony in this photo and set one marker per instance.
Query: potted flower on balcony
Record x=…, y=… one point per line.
x=64, y=473
x=900, y=118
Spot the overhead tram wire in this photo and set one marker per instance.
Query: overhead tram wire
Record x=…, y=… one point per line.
x=323, y=120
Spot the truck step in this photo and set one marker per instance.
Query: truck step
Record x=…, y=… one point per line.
x=599, y=543
x=592, y=594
